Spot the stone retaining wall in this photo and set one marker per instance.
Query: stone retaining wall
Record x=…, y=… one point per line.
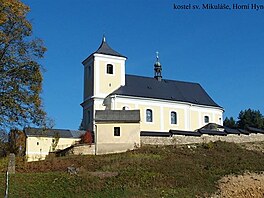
x=81, y=149
x=181, y=139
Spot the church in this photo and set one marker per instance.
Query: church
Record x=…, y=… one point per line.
x=125, y=111
x=158, y=105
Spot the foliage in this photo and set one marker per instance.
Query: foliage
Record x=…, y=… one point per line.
x=81, y=127
x=3, y=143
x=246, y=118
x=16, y=142
x=251, y=118
x=20, y=72
x=150, y=171
x=55, y=141
x=230, y=122
x=87, y=138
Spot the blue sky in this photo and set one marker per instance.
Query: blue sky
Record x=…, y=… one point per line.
x=220, y=49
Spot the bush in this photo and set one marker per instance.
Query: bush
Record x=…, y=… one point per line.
x=208, y=145
x=87, y=138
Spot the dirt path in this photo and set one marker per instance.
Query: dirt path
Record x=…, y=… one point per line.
x=243, y=186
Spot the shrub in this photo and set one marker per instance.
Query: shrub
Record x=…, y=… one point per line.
x=87, y=138
x=208, y=145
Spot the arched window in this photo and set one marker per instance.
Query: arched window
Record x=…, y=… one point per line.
x=173, y=117
x=149, y=115
x=206, y=119
x=109, y=69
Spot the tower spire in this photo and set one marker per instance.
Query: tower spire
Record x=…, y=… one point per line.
x=157, y=68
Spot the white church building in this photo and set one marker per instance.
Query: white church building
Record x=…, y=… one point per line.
x=113, y=97
x=124, y=111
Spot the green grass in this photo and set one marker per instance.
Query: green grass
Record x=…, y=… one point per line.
x=150, y=171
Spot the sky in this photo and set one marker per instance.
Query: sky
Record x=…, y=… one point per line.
x=220, y=49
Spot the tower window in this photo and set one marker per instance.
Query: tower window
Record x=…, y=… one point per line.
x=109, y=69
x=173, y=117
x=206, y=119
x=149, y=117
x=116, y=131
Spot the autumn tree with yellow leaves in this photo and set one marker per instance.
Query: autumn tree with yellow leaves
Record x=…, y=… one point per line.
x=20, y=72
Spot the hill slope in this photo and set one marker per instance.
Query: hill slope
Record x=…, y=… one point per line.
x=151, y=171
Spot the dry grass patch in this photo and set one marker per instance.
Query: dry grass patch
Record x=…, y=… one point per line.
x=247, y=185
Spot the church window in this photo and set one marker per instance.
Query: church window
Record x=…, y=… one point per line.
x=173, y=117
x=116, y=131
x=109, y=69
x=206, y=119
x=149, y=117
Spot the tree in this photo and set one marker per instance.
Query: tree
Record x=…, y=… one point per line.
x=3, y=143
x=87, y=138
x=20, y=72
x=230, y=122
x=251, y=118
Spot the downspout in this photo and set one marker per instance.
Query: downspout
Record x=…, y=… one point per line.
x=26, y=148
x=95, y=140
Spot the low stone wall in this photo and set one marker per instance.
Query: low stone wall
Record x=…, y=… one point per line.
x=107, y=148
x=81, y=149
x=181, y=139
x=84, y=149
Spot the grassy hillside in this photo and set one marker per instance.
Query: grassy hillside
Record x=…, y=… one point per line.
x=151, y=171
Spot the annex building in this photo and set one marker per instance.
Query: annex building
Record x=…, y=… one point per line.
x=157, y=105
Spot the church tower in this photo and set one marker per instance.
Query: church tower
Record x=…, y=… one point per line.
x=104, y=72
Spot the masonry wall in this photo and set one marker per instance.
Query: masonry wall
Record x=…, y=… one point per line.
x=80, y=149
x=37, y=148
x=107, y=142
x=181, y=139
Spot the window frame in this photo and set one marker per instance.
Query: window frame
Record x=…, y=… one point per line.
x=109, y=69
x=149, y=119
x=206, y=119
x=117, y=131
x=176, y=118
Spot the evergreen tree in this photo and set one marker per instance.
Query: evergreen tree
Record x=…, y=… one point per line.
x=250, y=118
x=230, y=122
